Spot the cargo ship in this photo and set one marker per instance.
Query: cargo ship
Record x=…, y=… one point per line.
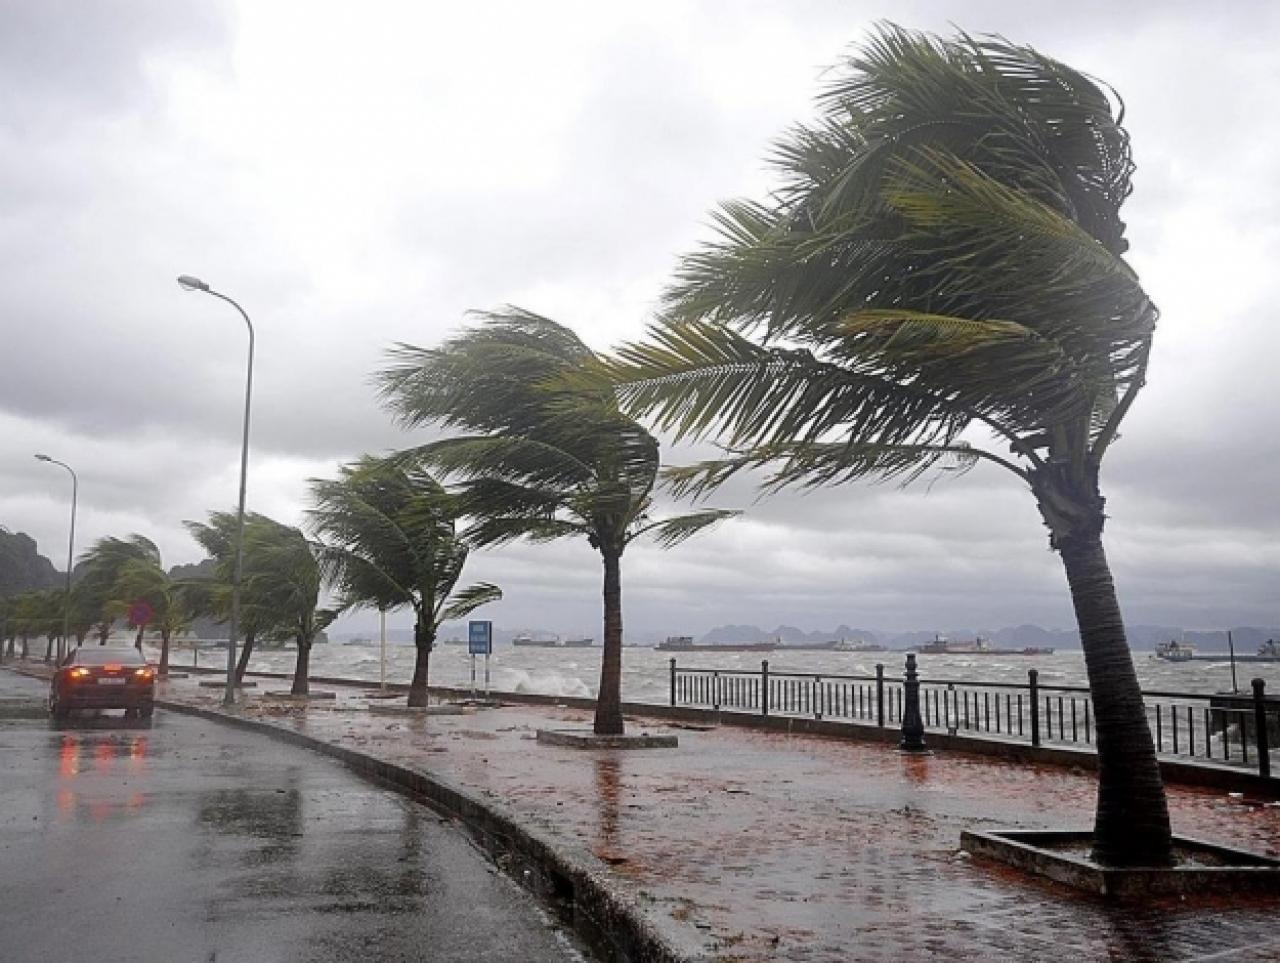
x=579, y=643
x=685, y=643
x=1269, y=651
x=529, y=640
x=979, y=646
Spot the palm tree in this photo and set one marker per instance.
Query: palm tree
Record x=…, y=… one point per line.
x=50, y=608
x=282, y=575
x=167, y=598
x=217, y=537
x=104, y=564
x=543, y=459
x=389, y=540
x=943, y=263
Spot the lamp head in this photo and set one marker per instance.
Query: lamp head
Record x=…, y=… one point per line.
x=188, y=283
x=43, y=458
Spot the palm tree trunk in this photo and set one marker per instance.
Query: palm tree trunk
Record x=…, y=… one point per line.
x=48, y=649
x=609, y=700
x=1131, y=825
x=137, y=642
x=164, y=652
x=422, y=639
x=25, y=650
x=242, y=664
x=302, y=669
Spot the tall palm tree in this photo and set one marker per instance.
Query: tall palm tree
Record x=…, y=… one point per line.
x=388, y=540
x=167, y=598
x=543, y=459
x=282, y=576
x=104, y=563
x=217, y=537
x=943, y=264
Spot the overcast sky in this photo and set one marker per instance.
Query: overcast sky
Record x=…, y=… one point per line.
x=361, y=174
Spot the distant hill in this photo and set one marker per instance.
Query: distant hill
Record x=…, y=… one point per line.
x=22, y=567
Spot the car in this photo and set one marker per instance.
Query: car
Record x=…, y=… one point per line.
x=102, y=677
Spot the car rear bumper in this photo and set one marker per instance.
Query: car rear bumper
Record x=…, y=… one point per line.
x=107, y=697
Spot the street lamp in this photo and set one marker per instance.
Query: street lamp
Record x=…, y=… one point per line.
x=189, y=283
x=71, y=544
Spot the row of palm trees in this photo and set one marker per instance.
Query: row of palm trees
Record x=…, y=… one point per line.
x=938, y=283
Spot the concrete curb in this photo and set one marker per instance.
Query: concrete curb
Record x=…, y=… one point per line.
x=569, y=876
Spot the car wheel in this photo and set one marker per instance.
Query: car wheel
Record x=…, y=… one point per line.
x=146, y=712
x=131, y=713
x=57, y=709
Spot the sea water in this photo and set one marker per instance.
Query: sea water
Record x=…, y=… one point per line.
x=646, y=678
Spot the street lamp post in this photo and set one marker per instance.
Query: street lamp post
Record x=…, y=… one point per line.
x=71, y=545
x=189, y=283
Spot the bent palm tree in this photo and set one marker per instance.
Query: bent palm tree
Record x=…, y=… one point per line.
x=104, y=564
x=282, y=575
x=389, y=540
x=217, y=537
x=944, y=255
x=546, y=459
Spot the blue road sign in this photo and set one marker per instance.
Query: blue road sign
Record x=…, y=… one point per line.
x=480, y=638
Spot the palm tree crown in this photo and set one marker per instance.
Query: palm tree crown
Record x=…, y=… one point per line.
x=388, y=540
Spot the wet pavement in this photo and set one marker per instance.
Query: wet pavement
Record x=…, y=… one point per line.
x=179, y=840
x=760, y=846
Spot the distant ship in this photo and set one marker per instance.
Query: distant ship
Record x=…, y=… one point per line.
x=529, y=640
x=685, y=643
x=455, y=641
x=579, y=643
x=1269, y=651
x=978, y=646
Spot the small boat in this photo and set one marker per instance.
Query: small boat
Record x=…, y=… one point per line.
x=1175, y=651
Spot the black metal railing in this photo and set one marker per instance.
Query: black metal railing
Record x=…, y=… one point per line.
x=1231, y=729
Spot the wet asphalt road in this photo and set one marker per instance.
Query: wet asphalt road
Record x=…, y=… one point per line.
x=181, y=840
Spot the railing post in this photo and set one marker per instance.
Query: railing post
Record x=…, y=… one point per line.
x=912, y=723
x=1033, y=683
x=953, y=713
x=764, y=687
x=1260, y=728
x=715, y=691
x=880, y=694
x=673, y=682
x=817, y=697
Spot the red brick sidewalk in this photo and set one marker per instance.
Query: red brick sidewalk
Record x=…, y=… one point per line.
x=759, y=846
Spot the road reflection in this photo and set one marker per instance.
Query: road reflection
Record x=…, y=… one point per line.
x=93, y=776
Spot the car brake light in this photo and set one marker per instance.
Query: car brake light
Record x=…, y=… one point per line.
x=144, y=673
x=79, y=673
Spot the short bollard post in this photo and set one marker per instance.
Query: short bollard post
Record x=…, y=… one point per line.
x=1033, y=683
x=912, y=724
x=764, y=687
x=880, y=694
x=673, y=682
x=1260, y=728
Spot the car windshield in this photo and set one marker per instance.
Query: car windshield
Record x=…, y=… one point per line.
x=105, y=656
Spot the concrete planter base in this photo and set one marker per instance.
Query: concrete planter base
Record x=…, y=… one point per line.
x=448, y=709
x=284, y=695
x=586, y=739
x=1063, y=855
